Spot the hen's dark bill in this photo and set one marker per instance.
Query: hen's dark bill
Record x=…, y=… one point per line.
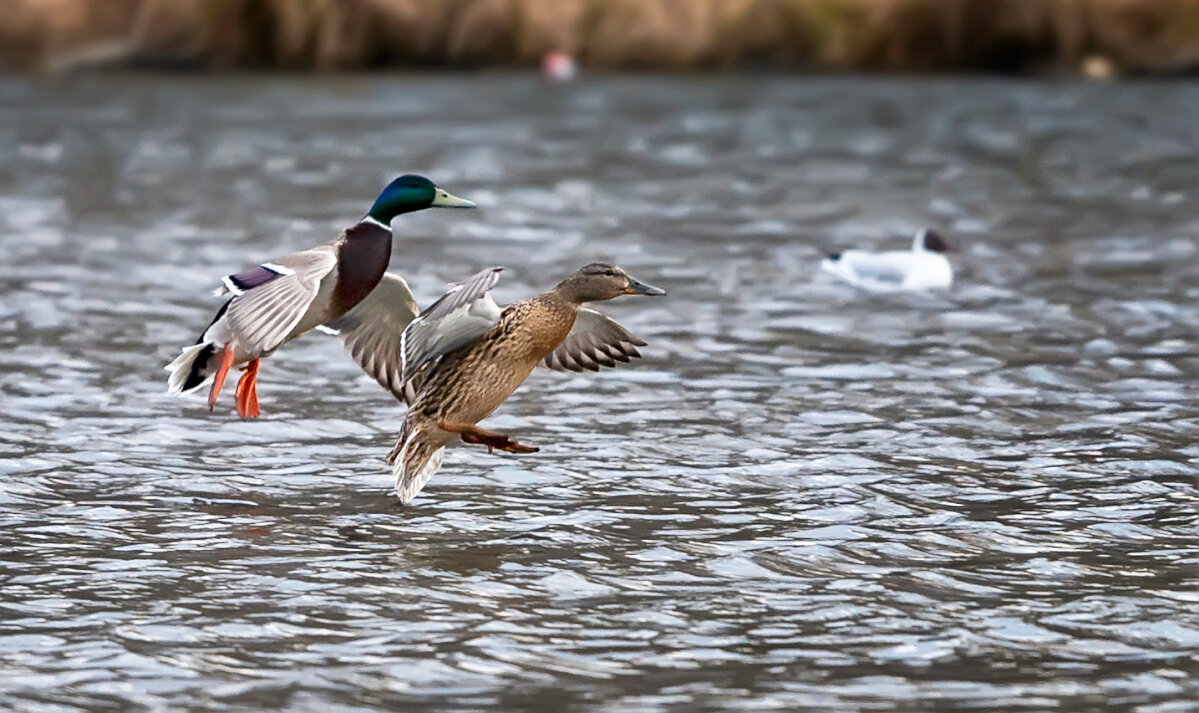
x=637, y=287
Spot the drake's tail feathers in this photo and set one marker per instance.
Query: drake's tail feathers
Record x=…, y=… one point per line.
x=190, y=369
x=418, y=459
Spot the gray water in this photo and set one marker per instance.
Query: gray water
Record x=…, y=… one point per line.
x=802, y=498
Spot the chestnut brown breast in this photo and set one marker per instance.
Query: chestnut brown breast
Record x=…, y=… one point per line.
x=361, y=261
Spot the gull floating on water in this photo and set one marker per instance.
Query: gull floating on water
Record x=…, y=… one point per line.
x=924, y=267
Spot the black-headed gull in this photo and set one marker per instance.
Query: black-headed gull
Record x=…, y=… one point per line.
x=924, y=267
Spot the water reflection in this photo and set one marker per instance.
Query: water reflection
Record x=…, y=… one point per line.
x=803, y=498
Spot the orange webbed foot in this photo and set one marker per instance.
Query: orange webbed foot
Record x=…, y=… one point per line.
x=247, y=391
x=222, y=371
x=473, y=434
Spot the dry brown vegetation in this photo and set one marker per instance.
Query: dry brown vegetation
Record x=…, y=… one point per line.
x=900, y=35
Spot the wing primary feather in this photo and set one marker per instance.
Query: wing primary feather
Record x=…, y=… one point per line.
x=594, y=342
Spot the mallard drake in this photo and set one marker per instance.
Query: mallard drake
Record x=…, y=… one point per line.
x=924, y=267
x=278, y=301
x=464, y=356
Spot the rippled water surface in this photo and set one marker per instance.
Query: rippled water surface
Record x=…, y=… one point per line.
x=803, y=498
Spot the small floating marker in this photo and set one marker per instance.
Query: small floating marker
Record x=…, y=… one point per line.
x=558, y=66
x=1099, y=68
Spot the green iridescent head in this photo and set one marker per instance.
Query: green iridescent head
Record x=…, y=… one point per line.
x=410, y=193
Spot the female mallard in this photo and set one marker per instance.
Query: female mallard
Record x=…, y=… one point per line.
x=463, y=357
x=281, y=300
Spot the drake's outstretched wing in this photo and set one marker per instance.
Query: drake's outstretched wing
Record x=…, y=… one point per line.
x=372, y=330
x=269, y=300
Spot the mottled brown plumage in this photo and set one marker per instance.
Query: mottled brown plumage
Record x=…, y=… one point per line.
x=469, y=384
x=463, y=387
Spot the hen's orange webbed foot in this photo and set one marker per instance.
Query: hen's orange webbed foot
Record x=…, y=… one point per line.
x=473, y=434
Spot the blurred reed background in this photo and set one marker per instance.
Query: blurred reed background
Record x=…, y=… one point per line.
x=1008, y=36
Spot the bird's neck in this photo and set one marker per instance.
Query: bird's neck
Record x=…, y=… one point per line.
x=561, y=301
x=568, y=293
x=371, y=220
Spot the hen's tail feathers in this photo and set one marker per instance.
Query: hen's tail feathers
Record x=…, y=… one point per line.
x=190, y=369
x=418, y=459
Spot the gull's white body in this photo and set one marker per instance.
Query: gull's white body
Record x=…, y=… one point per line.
x=893, y=270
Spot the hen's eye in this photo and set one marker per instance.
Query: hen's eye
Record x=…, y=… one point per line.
x=609, y=273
